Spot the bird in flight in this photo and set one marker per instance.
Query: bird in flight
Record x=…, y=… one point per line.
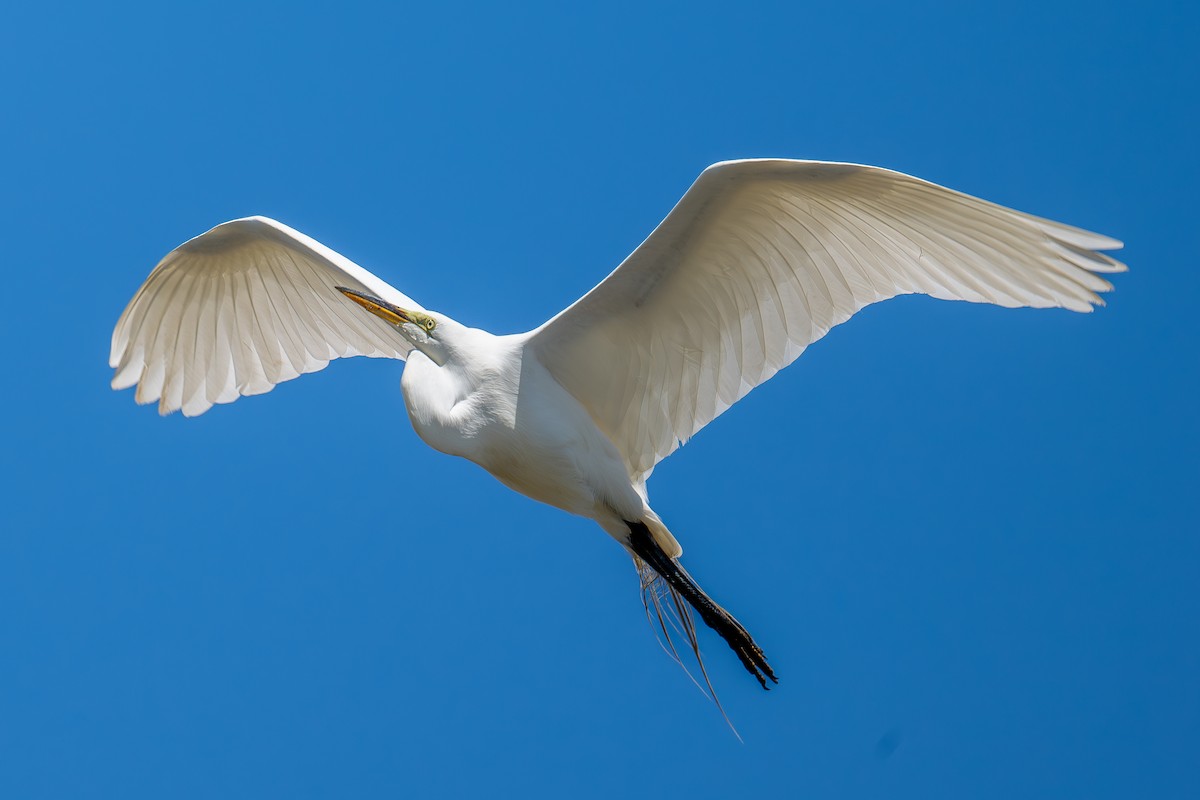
x=758, y=260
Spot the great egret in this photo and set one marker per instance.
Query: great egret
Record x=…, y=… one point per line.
x=759, y=259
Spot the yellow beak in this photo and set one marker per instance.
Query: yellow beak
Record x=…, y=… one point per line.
x=380, y=308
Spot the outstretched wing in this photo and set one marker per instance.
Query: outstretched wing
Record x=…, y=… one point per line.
x=236, y=310
x=761, y=258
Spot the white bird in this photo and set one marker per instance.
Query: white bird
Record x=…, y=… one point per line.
x=758, y=260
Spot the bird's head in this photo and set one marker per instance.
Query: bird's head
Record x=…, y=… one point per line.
x=428, y=332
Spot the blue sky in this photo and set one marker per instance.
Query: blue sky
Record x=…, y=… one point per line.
x=966, y=537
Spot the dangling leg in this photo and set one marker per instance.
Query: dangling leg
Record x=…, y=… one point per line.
x=643, y=545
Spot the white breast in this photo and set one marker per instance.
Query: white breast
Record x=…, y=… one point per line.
x=506, y=413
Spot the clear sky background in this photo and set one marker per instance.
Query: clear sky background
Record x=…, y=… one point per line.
x=966, y=537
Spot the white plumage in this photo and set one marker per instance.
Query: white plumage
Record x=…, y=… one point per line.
x=758, y=260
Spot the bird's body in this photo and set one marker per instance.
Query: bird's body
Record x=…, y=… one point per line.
x=758, y=260
x=494, y=404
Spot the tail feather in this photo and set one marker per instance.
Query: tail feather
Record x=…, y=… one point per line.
x=661, y=535
x=675, y=615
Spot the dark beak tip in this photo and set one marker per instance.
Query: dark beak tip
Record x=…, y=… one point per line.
x=377, y=306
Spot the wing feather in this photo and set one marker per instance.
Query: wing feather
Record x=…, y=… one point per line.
x=759, y=259
x=241, y=308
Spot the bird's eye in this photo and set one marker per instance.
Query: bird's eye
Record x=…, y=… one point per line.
x=428, y=324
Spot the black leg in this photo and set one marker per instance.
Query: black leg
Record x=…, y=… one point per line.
x=739, y=640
